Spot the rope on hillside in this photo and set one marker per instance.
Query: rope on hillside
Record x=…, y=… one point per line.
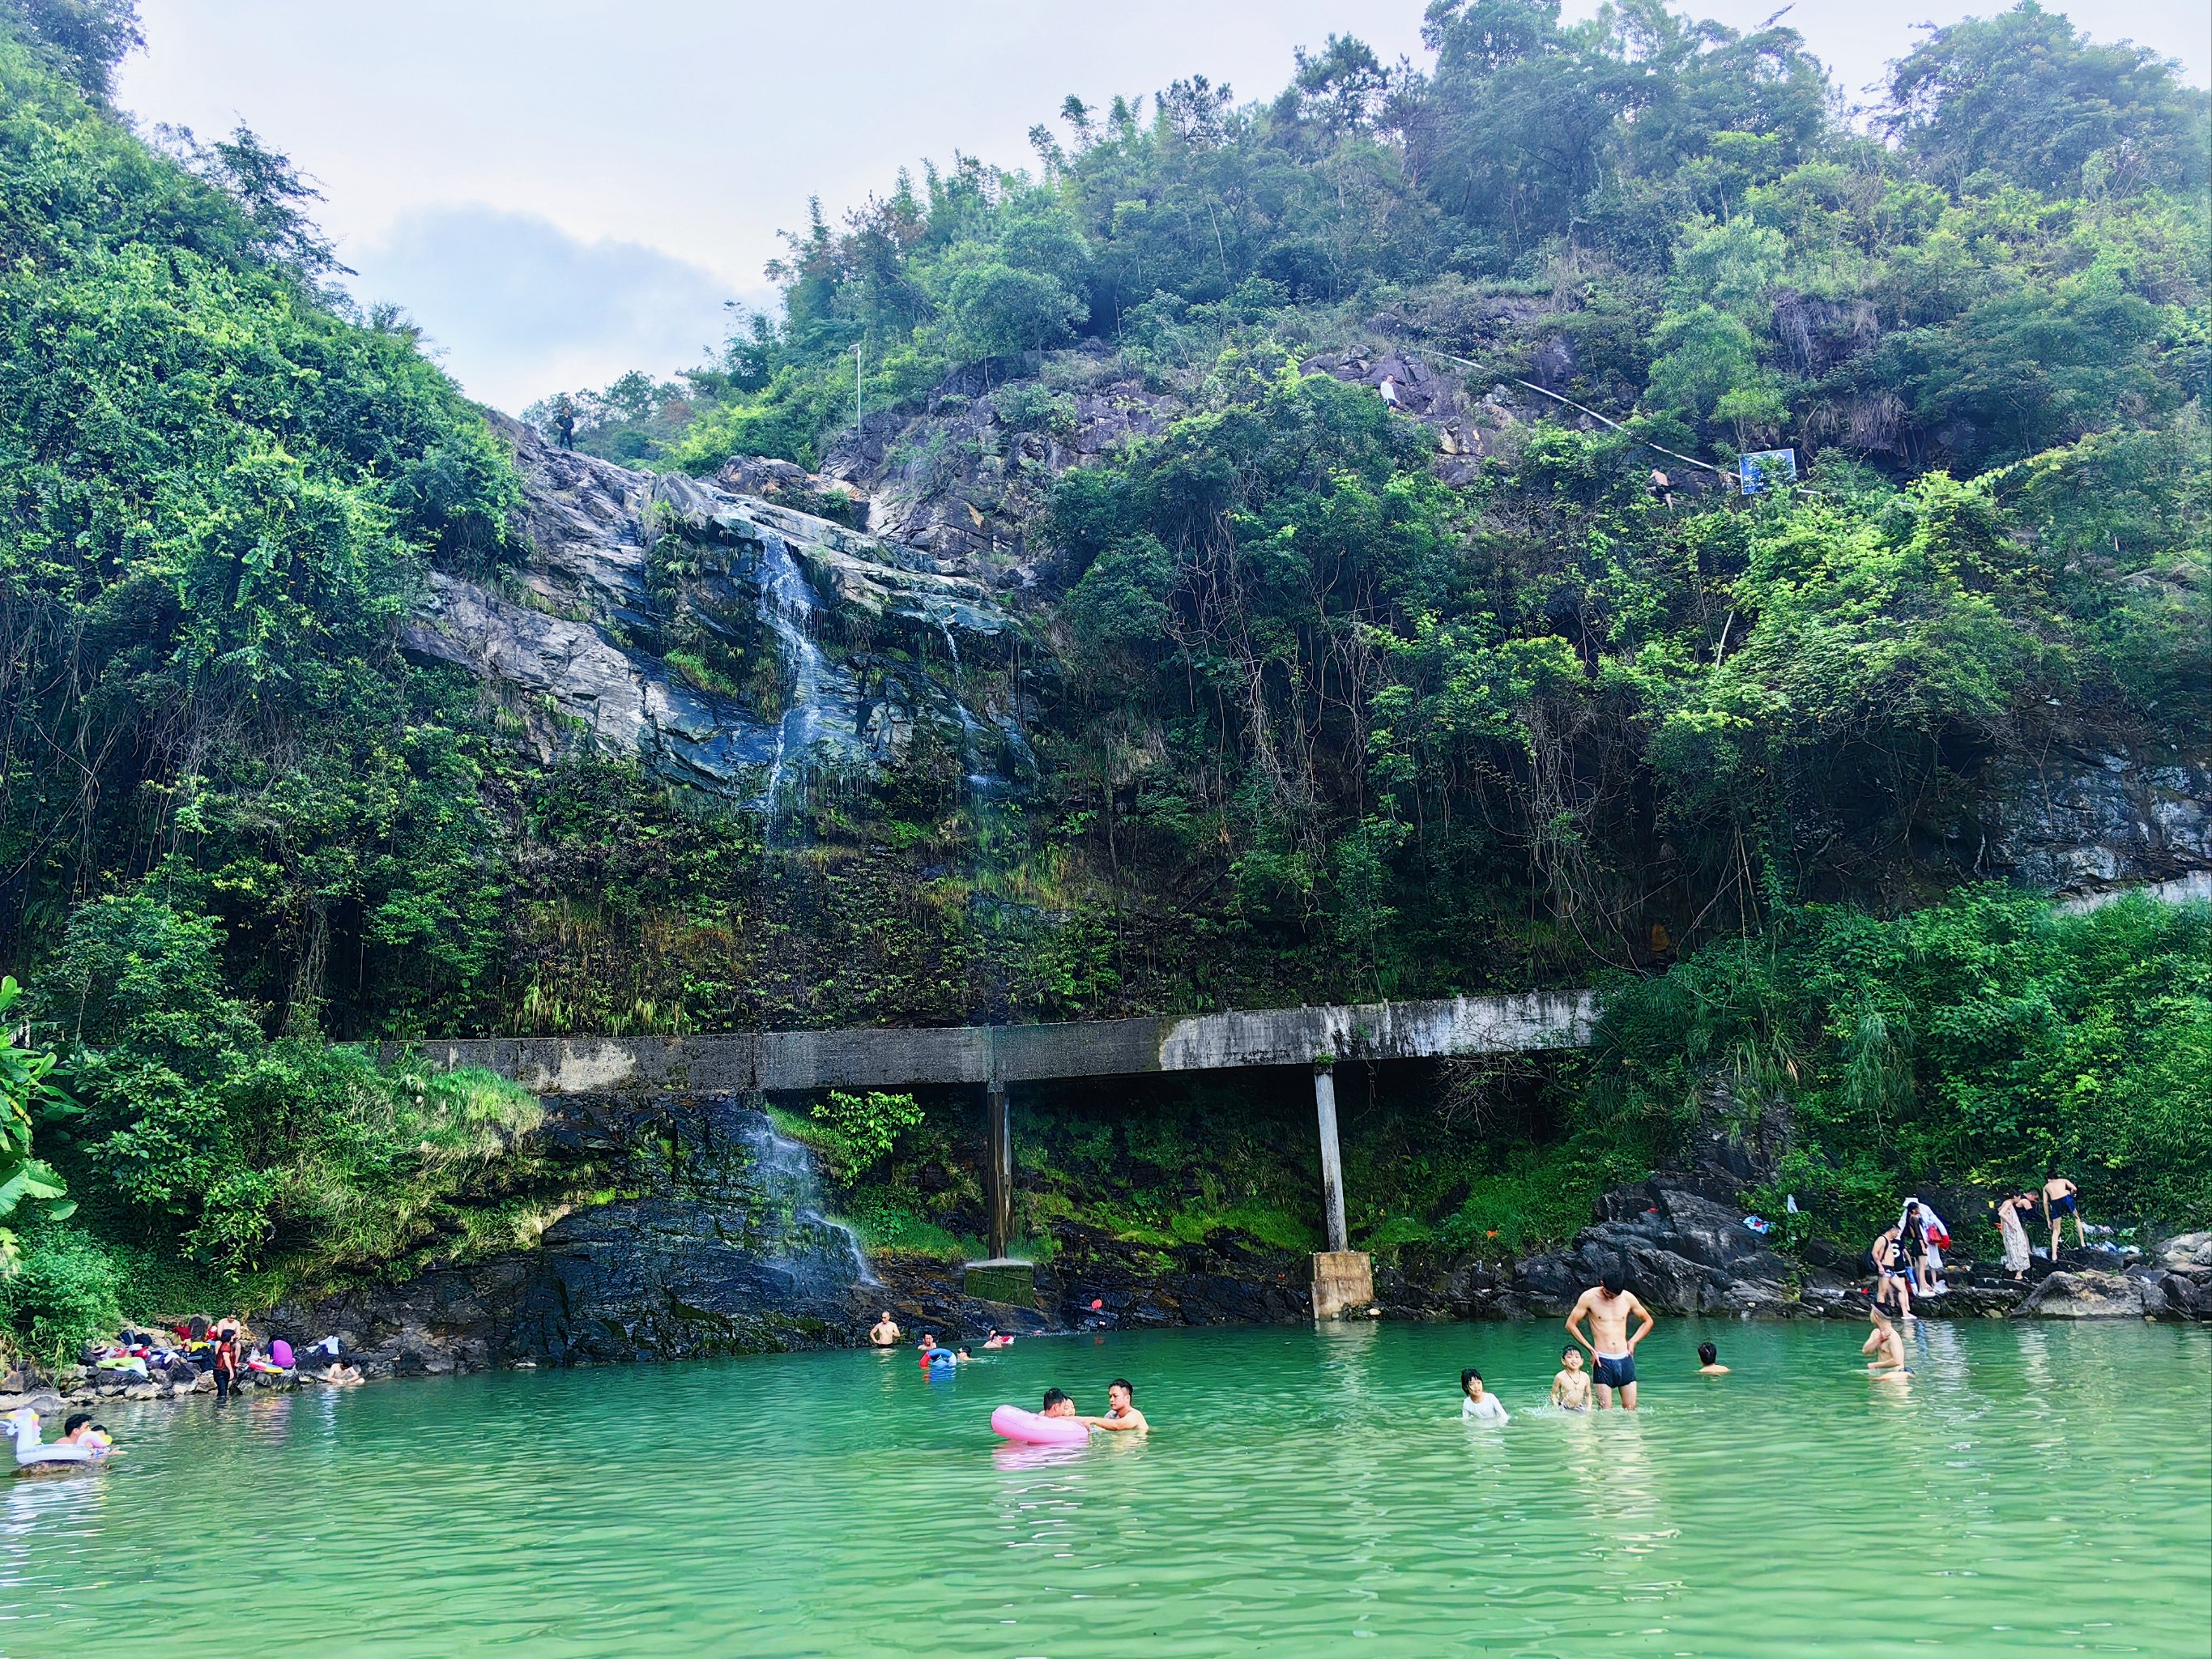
x=1672, y=454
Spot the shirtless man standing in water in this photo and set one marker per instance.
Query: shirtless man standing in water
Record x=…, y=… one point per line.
x=1608, y=1305
x=1885, y=1349
x=885, y=1333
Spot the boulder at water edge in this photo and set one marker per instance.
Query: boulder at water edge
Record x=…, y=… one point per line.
x=2089, y=1296
x=2188, y=1252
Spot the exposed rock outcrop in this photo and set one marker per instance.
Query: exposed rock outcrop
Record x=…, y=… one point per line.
x=2092, y=1296
x=635, y=581
x=2074, y=823
x=1680, y=1252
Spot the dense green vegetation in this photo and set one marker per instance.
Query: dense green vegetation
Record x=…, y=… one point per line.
x=1981, y=1041
x=1310, y=720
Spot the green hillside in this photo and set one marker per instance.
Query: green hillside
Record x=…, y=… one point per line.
x=1322, y=700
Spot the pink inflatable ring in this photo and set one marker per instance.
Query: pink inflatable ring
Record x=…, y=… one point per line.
x=1013, y=1422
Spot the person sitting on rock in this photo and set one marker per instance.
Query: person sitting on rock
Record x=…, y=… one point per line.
x=885, y=1332
x=2062, y=1197
x=1570, y=1386
x=1893, y=1268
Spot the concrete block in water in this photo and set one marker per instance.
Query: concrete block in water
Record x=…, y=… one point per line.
x=1343, y=1282
x=1011, y=1283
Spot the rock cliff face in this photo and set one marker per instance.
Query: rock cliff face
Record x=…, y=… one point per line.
x=2078, y=822
x=727, y=641
x=720, y=1245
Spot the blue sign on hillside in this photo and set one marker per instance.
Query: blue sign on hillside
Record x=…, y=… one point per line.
x=1767, y=469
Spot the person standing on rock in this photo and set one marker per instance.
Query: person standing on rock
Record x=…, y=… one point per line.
x=564, y=422
x=2015, y=1233
x=1893, y=1268
x=1608, y=1306
x=2062, y=1197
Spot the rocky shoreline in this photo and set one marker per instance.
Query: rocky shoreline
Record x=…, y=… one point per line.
x=1683, y=1251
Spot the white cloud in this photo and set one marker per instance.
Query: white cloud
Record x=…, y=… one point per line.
x=519, y=308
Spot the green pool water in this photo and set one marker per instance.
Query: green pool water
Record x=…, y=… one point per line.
x=2034, y=1488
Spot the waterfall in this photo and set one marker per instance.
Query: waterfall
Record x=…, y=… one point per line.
x=785, y=1169
x=787, y=603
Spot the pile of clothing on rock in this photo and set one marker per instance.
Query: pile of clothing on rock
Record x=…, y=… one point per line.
x=200, y=1353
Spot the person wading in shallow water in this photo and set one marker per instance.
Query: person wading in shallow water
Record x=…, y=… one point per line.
x=1121, y=1411
x=1608, y=1305
x=1885, y=1349
x=885, y=1332
x=226, y=1365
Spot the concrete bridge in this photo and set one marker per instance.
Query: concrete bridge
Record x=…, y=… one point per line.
x=993, y=1056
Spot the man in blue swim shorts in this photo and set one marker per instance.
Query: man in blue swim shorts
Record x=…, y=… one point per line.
x=1608, y=1306
x=2062, y=1197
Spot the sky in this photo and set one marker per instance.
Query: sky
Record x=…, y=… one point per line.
x=559, y=191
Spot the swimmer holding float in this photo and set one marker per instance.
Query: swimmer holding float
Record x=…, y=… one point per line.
x=1061, y=1425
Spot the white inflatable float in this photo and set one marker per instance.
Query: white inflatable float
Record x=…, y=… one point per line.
x=33, y=1453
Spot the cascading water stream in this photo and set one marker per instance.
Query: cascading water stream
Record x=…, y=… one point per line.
x=789, y=607
x=785, y=1169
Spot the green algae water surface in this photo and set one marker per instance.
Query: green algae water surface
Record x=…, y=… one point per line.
x=2034, y=1488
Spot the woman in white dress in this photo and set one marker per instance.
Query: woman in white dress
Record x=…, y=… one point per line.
x=2016, y=1236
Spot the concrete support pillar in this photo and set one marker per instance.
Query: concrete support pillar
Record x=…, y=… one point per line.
x=1332, y=1161
x=999, y=1174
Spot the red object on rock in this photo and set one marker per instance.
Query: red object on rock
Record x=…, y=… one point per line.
x=1097, y=1302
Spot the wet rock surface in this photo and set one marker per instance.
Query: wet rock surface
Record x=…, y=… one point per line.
x=716, y=635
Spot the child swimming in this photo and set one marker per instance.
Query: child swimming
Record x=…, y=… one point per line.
x=1709, y=1361
x=1571, y=1387
x=1480, y=1406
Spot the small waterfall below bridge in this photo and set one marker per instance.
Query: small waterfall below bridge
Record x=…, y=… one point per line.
x=822, y=1252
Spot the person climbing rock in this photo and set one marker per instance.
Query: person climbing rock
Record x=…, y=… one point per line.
x=2062, y=1197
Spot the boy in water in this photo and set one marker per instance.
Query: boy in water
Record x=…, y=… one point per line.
x=1121, y=1411
x=1480, y=1406
x=1571, y=1387
x=1057, y=1404
x=1709, y=1361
